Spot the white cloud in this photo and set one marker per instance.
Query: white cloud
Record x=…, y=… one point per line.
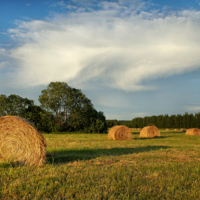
x=2, y=51
x=114, y=45
x=193, y=108
x=3, y=64
x=125, y=115
x=59, y=3
x=70, y=7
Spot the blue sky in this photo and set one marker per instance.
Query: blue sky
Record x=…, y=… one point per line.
x=132, y=58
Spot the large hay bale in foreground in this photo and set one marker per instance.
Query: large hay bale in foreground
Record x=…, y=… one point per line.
x=21, y=142
x=120, y=133
x=150, y=131
x=193, y=131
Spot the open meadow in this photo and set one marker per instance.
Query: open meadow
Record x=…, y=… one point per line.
x=90, y=166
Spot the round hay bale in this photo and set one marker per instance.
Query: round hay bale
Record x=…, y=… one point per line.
x=176, y=129
x=133, y=129
x=193, y=131
x=120, y=133
x=150, y=131
x=21, y=142
x=183, y=130
x=139, y=129
x=167, y=129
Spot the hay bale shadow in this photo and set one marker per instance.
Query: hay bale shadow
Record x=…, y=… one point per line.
x=58, y=157
x=135, y=133
x=153, y=138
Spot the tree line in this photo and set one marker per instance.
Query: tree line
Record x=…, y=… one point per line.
x=162, y=121
x=62, y=108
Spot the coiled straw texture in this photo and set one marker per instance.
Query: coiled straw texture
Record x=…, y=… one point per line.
x=120, y=133
x=150, y=131
x=20, y=142
x=193, y=131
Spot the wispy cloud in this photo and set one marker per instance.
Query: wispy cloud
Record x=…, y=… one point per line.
x=2, y=51
x=125, y=115
x=3, y=64
x=116, y=45
x=193, y=108
x=59, y=3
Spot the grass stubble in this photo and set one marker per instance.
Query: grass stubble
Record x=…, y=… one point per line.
x=89, y=166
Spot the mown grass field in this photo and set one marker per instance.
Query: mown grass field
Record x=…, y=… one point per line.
x=89, y=166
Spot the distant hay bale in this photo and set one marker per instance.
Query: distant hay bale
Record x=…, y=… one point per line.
x=21, y=142
x=176, y=129
x=139, y=129
x=193, y=131
x=133, y=129
x=167, y=129
x=150, y=131
x=183, y=130
x=120, y=133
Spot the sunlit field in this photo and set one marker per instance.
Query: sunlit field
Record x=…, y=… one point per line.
x=89, y=166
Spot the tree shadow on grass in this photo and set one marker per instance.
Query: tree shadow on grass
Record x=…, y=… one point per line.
x=58, y=157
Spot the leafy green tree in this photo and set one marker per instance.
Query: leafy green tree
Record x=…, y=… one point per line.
x=41, y=118
x=185, y=120
x=56, y=98
x=83, y=116
x=197, y=120
x=14, y=105
x=160, y=121
x=145, y=121
x=71, y=108
x=179, y=121
x=3, y=105
x=173, y=121
x=23, y=107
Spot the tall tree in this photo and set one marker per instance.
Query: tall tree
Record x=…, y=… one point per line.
x=56, y=98
x=71, y=108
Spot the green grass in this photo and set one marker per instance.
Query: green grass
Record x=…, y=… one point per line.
x=89, y=166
